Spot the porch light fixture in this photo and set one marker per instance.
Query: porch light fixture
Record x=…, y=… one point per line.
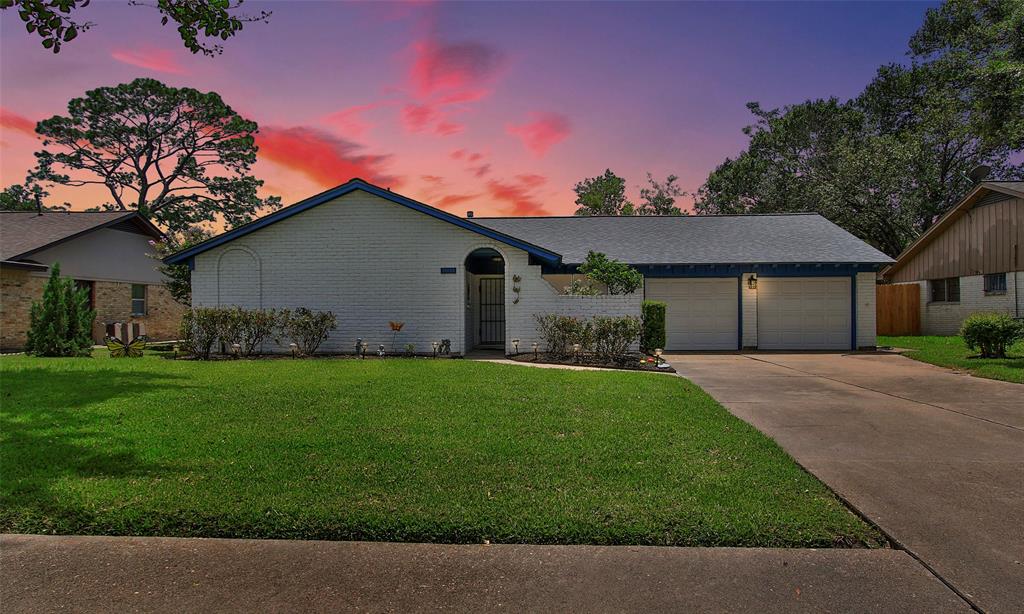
x=515, y=344
x=752, y=282
x=294, y=347
x=434, y=344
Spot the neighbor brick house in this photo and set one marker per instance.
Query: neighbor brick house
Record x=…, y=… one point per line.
x=105, y=252
x=373, y=256
x=970, y=260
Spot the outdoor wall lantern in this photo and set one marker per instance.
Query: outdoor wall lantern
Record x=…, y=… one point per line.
x=515, y=345
x=752, y=282
x=294, y=347
x=535, y=345
x=434, y=344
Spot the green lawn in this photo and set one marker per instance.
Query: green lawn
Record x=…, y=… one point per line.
x=951, y=352
x=407, y=450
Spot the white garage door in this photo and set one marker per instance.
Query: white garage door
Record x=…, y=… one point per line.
x=701, y=313
x=803, y=313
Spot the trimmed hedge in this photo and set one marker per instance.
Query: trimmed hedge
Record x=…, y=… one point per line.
x=653, y=336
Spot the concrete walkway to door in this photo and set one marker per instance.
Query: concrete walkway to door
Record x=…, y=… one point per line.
x=935, y=458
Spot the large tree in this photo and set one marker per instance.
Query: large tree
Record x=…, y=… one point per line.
x=659, y=197
x=55, y=23
x=176, y=155
x=603, y=195
x=884, y=165
x=27, y=197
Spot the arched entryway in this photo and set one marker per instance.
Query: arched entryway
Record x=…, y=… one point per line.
x=485, y=305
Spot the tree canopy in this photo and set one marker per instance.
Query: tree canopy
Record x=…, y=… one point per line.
x=659, y=198
x=55, y=23
x=886, y=164
x=28, y=197
x=603, y=195
x=176, y=155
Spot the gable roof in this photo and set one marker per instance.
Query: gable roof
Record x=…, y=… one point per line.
x=1014, y=189
x=346, y=188
x=23, y=233
x=694, y=239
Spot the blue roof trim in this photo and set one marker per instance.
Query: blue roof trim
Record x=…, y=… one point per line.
x=542, y=254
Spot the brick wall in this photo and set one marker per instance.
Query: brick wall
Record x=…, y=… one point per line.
x=18, y=289
x=113, y=302
x=946, y=318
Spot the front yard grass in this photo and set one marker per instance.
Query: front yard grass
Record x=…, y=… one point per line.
x=401, y=450
x=952, y=353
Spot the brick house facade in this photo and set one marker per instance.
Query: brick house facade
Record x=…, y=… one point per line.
x=105, y=252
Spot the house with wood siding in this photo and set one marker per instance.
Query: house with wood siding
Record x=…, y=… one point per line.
x=970, y=260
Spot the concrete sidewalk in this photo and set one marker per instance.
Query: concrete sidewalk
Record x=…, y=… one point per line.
x=47, y=573
x=935, y=458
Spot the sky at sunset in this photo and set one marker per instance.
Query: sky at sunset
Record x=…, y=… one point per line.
x=495, y=107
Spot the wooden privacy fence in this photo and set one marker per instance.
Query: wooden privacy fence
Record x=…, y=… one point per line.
x=898, y=309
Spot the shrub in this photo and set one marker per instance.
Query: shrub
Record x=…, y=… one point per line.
x=200, y=328
x=618, y=277
x=991, y=333
x=578, y=287
x=61, y=325
x=614, y=335
x=254, y=328
x=653, y=336
x=307, y=328
x=561, y=332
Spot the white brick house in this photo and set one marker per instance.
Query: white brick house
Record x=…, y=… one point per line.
x=372, y=256
x=970, y=260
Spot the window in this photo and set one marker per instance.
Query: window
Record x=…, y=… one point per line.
x=138, y=299
x=995, y=283
x=945, y=290
x=82, y=284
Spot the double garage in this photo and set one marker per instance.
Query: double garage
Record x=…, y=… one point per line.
x=786, y=313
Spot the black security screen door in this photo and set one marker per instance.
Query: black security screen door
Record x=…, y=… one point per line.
x=492, y=311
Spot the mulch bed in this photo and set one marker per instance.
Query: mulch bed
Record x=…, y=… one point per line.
x=632, y=364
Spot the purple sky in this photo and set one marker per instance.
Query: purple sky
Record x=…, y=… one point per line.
x=499, y=108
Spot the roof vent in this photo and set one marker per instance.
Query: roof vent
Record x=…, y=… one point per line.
x=469, y=214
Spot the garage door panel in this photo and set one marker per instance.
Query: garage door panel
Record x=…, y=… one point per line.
x=803, y=313
x=701, y=314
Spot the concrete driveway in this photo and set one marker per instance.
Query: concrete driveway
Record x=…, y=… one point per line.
x=935, y=458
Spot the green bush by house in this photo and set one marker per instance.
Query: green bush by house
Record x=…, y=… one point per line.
x=653, y=313
x=60, y=325
x=991, y=333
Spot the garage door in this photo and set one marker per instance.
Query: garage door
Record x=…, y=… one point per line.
x=701, y=313
x=803, y=313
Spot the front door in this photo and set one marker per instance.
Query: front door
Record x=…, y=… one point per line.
x=492, y=311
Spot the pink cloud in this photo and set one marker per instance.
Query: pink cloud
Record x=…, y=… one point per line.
x=542, y=131
x=416, y=117
x=151, y=58
x=446, y=67
x=432, y=179
x=480, y=171
x=458, y=154
x=473, y=157
x=447, y=128
x=464, y=96
x=531, y=180
x=322, y=157
x=517, y=195
x=450, y=200
x=19, y=123
x=350, y=121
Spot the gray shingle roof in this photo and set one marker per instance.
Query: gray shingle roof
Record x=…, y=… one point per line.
x=1013, y=186
x=698, y=239
x=26, y=231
